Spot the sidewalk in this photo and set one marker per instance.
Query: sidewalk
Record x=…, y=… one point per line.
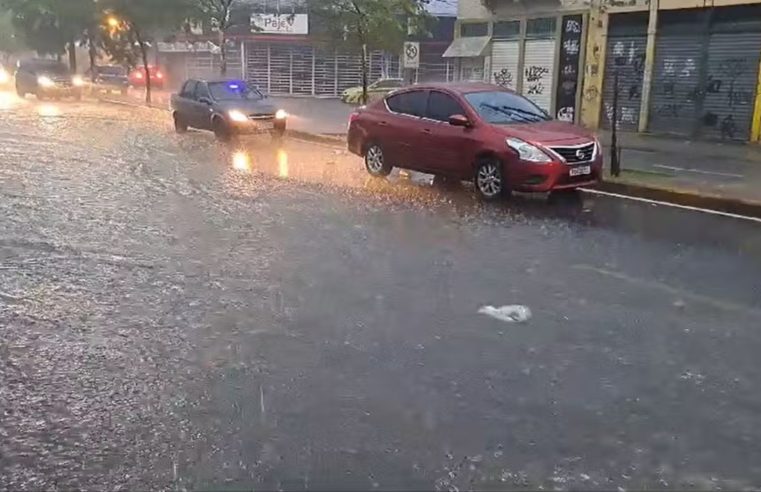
x=713, y=169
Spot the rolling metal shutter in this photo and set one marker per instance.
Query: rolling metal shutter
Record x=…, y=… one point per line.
x=257, y=65
x=280, y=69
x=625, y=55
x=302, y=70
x=674, y=100
x=730, y=86
x=539, y=72
x=325, y=80
x=504, y=63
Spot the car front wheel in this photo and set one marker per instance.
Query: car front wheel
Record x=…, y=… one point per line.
x=375, y=161
x=221, y=130
x=490, y=181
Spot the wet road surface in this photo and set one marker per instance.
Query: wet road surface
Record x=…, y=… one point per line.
x=179, y=314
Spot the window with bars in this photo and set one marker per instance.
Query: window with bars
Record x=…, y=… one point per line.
x=507, y=29
x=543, y=26
x=474, y=29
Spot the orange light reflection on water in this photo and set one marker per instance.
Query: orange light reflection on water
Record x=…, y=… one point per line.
x=242, y=162
x=282, y=163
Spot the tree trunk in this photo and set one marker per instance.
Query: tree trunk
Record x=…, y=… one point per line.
x=223, y=52
x=144, y=56
x=91, y=50
x=72, y=50
x=364, y=73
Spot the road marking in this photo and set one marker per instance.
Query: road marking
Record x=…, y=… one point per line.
x=675, y=205
x=651, y=284
x=699, y=171
x=508, y=314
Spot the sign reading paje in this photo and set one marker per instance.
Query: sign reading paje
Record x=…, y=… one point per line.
x=280, y=23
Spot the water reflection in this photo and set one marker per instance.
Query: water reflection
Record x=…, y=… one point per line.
x=242, y=161
x=8, y=100
x=48, y=110
x=282, y=163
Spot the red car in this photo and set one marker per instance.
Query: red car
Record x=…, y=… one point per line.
x=137, y=77
x=473, y=131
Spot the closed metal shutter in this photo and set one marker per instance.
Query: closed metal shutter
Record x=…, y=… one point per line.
x=280, y=69
x=205, y=65
x=730, y=86
x=349, y=71
x=504, y=63
x=257, y=65
x=325, y=80
x=625, y=55
x=302, y=69
x=539, y=72
x=675, y=94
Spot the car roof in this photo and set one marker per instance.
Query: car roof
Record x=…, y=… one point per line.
x=461, y=87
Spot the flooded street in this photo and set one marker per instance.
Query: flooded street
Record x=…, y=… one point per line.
x=177, y=314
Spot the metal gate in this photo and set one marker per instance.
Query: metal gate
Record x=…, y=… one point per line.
x=706, y=69
x=539, y=72
x=207, y=65
x=504, y=63
x=306, y=70
x=625, y=56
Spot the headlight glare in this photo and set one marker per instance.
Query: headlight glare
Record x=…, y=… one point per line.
x=44, y=81
x=528, y=152
x=281, y=114
x=237, y=116
x=78, y=81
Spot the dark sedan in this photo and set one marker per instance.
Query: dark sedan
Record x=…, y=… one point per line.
x=226, y=107
x=109, y=78
x=47, y=78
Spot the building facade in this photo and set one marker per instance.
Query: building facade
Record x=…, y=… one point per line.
x=683, y=67
x=272, y=45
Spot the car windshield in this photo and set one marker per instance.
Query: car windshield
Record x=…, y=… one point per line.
x=501, y=108
x=111, y=70
x=233, y=91
x=49, y=67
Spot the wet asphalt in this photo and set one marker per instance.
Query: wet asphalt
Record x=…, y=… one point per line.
x=181, y=314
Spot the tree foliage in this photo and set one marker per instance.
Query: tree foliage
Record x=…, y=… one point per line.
x=218, y=13
x=363, y=25
x=11, y=40
x=52, y=26
x=138, y=23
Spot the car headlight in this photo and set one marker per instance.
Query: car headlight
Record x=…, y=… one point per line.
x=281, y=114
x=598, y=149
x=528, y=152
x=237, y=116
x=4, y=77
x=78, y=81
x=45, y=81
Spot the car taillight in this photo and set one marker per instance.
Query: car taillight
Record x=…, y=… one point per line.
x=139, y=75
x=159, y=75
x=352, y=117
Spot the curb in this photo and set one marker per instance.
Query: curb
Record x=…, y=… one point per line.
x=301, y=135
x=686, y=198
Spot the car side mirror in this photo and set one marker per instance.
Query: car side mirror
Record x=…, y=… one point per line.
x=459, y=120
x=205, y=100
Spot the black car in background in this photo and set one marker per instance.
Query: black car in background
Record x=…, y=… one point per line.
x=47, y=78
x=226, y=107
x=109, y=78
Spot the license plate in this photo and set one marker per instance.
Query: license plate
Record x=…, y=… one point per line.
x=580, y=171
x=265, y=125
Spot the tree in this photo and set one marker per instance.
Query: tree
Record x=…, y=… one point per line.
x=219, y=13
x=364, y=25
x=11, y=41
x=52, y=27
x=135, y=23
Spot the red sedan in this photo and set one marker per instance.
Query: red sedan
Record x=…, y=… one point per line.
x=472, y=131
x=137, y=77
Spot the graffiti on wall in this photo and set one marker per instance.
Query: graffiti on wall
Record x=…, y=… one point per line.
x=535, y=75
x=504, y=78
x=629, y=61
x=716, y=95
x=568, y=80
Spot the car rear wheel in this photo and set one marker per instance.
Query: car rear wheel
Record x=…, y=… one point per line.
x=490, y=181
x=375, y=161
x=20, y=92
x=180, y=126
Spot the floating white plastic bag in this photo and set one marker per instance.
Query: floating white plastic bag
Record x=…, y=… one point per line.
x=508, y=314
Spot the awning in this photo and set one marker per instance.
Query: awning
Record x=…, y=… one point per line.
x=467, y=47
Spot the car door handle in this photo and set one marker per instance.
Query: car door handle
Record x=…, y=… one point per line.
x=384, y=123
x=426, y=130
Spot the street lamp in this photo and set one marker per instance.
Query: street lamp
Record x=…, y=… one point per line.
x=113, y=22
